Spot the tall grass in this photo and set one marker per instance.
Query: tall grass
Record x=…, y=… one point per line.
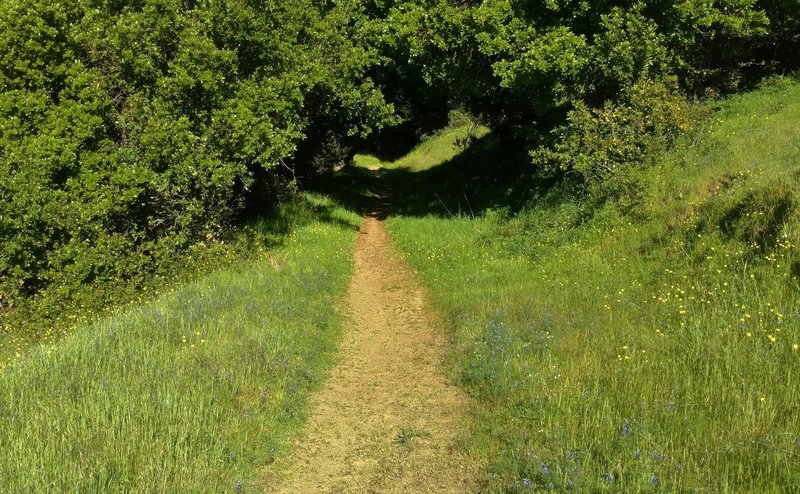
x=193, y=391
x=647, y=344
x=46, y=318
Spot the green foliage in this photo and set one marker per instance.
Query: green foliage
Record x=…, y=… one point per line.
x=131, y=131
x=523, y=67
x=717, y=40
x=628, y=48
x=160, y=121
x=595, y=143
x=133, y=134
x=783, y=39
x=542, y=67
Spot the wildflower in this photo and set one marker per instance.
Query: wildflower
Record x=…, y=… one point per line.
x=526, y=483
x=654, y=479
x=570, y=484
x=238, y=486
x=795, y=347
x=545, y=469
x=763, y=399
x=609, y=478
x=626, y=429
x=637, y=454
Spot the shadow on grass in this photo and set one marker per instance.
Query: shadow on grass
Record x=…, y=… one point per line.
x=490, y=173
x=392, y=143
x=273, y=230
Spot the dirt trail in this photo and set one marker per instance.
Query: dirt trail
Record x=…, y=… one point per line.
x=386, y=420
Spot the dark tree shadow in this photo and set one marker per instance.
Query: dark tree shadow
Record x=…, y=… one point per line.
x=490, y=172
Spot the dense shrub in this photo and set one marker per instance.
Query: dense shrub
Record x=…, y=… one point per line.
x=595, y=142
x=131, y=130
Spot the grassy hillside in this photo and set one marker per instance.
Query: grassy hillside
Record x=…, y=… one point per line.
x=190, y=392
x=645, y=343
x=47, y=318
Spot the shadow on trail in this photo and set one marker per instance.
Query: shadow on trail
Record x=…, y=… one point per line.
x=487, y=174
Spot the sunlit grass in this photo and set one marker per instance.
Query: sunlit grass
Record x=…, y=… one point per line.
x=432, y=151
x=58, y=310
x=655, y=349
x=193, y=391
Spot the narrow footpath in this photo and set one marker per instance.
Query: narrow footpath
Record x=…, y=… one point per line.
x=387, y=420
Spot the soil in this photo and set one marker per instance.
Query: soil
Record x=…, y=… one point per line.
x=387, y=420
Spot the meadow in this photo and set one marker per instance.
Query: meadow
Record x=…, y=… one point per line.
x=194, y=390
x=637, y=341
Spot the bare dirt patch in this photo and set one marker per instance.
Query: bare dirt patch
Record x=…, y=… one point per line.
x=386, y=420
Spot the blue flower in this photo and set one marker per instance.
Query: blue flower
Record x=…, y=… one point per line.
x=545, y=470
x=609, y=478
x=626, y=428
x=526, y=483
x=238, y=486
x=570, y=484
x=654, y=479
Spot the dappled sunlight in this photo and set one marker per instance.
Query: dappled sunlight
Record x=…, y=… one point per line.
x=458, y=172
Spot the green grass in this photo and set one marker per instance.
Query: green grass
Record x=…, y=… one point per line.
x=432, y=151
x=648, y=344
x=194, y=391
x=56, y=312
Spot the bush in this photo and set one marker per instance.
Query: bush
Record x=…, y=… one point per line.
x=131, y=131
x=598, y=143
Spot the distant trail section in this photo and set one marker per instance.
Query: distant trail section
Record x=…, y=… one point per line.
x=387, y=420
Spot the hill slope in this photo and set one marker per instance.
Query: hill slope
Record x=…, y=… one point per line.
x=645, y=342
x=192, y=392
